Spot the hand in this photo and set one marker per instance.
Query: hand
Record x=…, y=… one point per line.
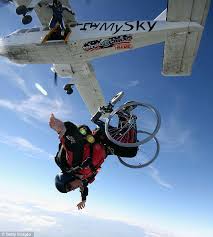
x=56, y=124
x=81, y=205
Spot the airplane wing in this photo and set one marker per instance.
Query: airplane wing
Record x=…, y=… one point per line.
x=84, y=78
x=44, y=13
x=180, y=49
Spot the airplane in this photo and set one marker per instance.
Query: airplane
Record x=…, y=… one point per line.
x=180, y=26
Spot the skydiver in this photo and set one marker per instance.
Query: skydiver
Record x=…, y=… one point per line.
x=81, y=153
x=57, y=17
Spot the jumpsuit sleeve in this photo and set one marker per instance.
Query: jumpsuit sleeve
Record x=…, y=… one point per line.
x=69, y=141
x=67, y=9
x=96, y=119
x=84, y=193
x=69, y=137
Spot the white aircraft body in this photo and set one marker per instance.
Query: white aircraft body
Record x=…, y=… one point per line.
x=180, y=26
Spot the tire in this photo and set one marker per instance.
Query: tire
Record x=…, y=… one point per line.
x=150, y=134
x=26, y=19
x=125, y=163
x=21, y=10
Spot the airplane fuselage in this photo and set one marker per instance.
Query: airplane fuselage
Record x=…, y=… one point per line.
x=87, y=41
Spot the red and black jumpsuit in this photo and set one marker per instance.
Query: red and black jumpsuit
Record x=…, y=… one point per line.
x=75, y=152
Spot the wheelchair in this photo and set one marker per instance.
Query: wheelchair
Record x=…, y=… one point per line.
x=133, y=124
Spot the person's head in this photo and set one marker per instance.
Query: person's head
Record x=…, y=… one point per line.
x=59, y=4
x=55, y=2
x=67, y=182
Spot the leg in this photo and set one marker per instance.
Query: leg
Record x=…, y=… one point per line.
x=77, y=143
x=53, y=23
x=61, y=23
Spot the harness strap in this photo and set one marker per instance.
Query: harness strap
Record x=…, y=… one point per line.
x=88, y=161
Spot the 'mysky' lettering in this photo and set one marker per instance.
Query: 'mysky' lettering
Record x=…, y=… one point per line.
x=115, y=28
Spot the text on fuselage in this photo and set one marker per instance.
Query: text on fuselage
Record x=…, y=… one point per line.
x=116, y=27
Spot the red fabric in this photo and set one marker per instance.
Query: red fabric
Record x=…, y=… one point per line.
x=99, y=155
x=130, y=137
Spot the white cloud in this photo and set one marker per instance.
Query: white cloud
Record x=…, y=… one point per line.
x=155, y=174
x=8, y=62
x=133, y=83
x=159, y=233
x=24, y=145
x=37, y=107
x=174, y=136
x=25, y=216
x=22, y=212
x=34, y=106
x=13, y=76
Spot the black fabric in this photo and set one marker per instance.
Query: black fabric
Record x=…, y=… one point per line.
x=61, y=160
x=74, y=142
x=84, y=193
x=78, y=147
x=123, y=151
x=113, y=149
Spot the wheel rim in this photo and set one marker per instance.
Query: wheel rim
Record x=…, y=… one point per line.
x=111, y=136
x=146, y=163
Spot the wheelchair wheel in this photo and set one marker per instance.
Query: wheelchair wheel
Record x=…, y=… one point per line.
x=146, y=154
x=141, y=118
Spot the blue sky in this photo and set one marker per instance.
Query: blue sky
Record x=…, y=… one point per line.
x=173, y=197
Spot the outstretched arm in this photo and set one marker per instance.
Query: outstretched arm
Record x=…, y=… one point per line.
x=68, y=10
x=96, y=119
x=57, y=125
x=84, y=193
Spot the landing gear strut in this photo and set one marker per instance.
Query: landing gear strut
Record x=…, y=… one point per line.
x=23, y=10
x=68, y=88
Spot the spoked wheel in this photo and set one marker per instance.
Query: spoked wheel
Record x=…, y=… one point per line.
x=146, y=154
x=132, y=117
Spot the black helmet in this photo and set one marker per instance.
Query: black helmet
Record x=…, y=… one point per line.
x=61, y=180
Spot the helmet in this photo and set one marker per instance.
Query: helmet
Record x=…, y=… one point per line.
x=61, y=180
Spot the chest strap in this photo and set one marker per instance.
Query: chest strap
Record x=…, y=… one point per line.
x=88, y=161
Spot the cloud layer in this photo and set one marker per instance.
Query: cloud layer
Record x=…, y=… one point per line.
x=23, y=145
x=37, y=107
